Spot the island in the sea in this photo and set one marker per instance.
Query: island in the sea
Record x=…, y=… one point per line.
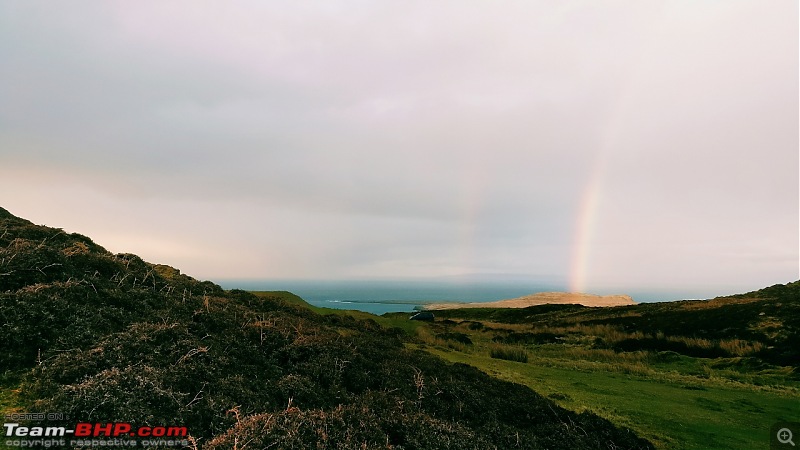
x=542, y=298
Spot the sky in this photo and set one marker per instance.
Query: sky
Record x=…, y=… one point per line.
x=605, y=145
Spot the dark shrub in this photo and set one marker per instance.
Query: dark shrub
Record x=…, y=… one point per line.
x=528, y=338
x=457, y=337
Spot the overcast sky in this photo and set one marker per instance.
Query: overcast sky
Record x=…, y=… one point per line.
x=603, y=144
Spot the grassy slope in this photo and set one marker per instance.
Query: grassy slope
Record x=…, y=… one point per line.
x=647, y=366
x=676, y=401
x=681, y=401
x=670, y=414
x=396, y=321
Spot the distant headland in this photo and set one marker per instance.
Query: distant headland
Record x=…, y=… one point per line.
x=543, y=298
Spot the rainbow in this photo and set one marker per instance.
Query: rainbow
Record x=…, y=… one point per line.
x=591, y=198
x=586, y=223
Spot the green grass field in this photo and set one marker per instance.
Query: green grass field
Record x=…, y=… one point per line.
x=671, y=414
x=676, y=401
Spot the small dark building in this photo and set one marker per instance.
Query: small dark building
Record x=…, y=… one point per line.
x=423, y=315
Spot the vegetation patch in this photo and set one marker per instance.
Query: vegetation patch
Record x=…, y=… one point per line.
x=455, y=336
x=508, y=353
x=528, y=338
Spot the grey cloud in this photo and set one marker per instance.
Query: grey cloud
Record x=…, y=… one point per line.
x=391, y=136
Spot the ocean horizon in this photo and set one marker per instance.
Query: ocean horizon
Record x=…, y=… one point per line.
x=383, y=296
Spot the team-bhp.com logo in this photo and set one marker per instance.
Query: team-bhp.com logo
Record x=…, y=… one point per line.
x=85, y=429
x=88, y=434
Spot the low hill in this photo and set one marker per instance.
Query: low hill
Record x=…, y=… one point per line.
x=763, y=324
x=544, y=298
x=104, y=337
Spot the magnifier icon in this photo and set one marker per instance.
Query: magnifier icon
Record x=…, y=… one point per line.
x=785, y=436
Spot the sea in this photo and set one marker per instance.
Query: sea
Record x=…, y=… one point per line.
x=381, y=296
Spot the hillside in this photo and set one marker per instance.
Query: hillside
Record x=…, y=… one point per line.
x=104, y=337
x=763, y=324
